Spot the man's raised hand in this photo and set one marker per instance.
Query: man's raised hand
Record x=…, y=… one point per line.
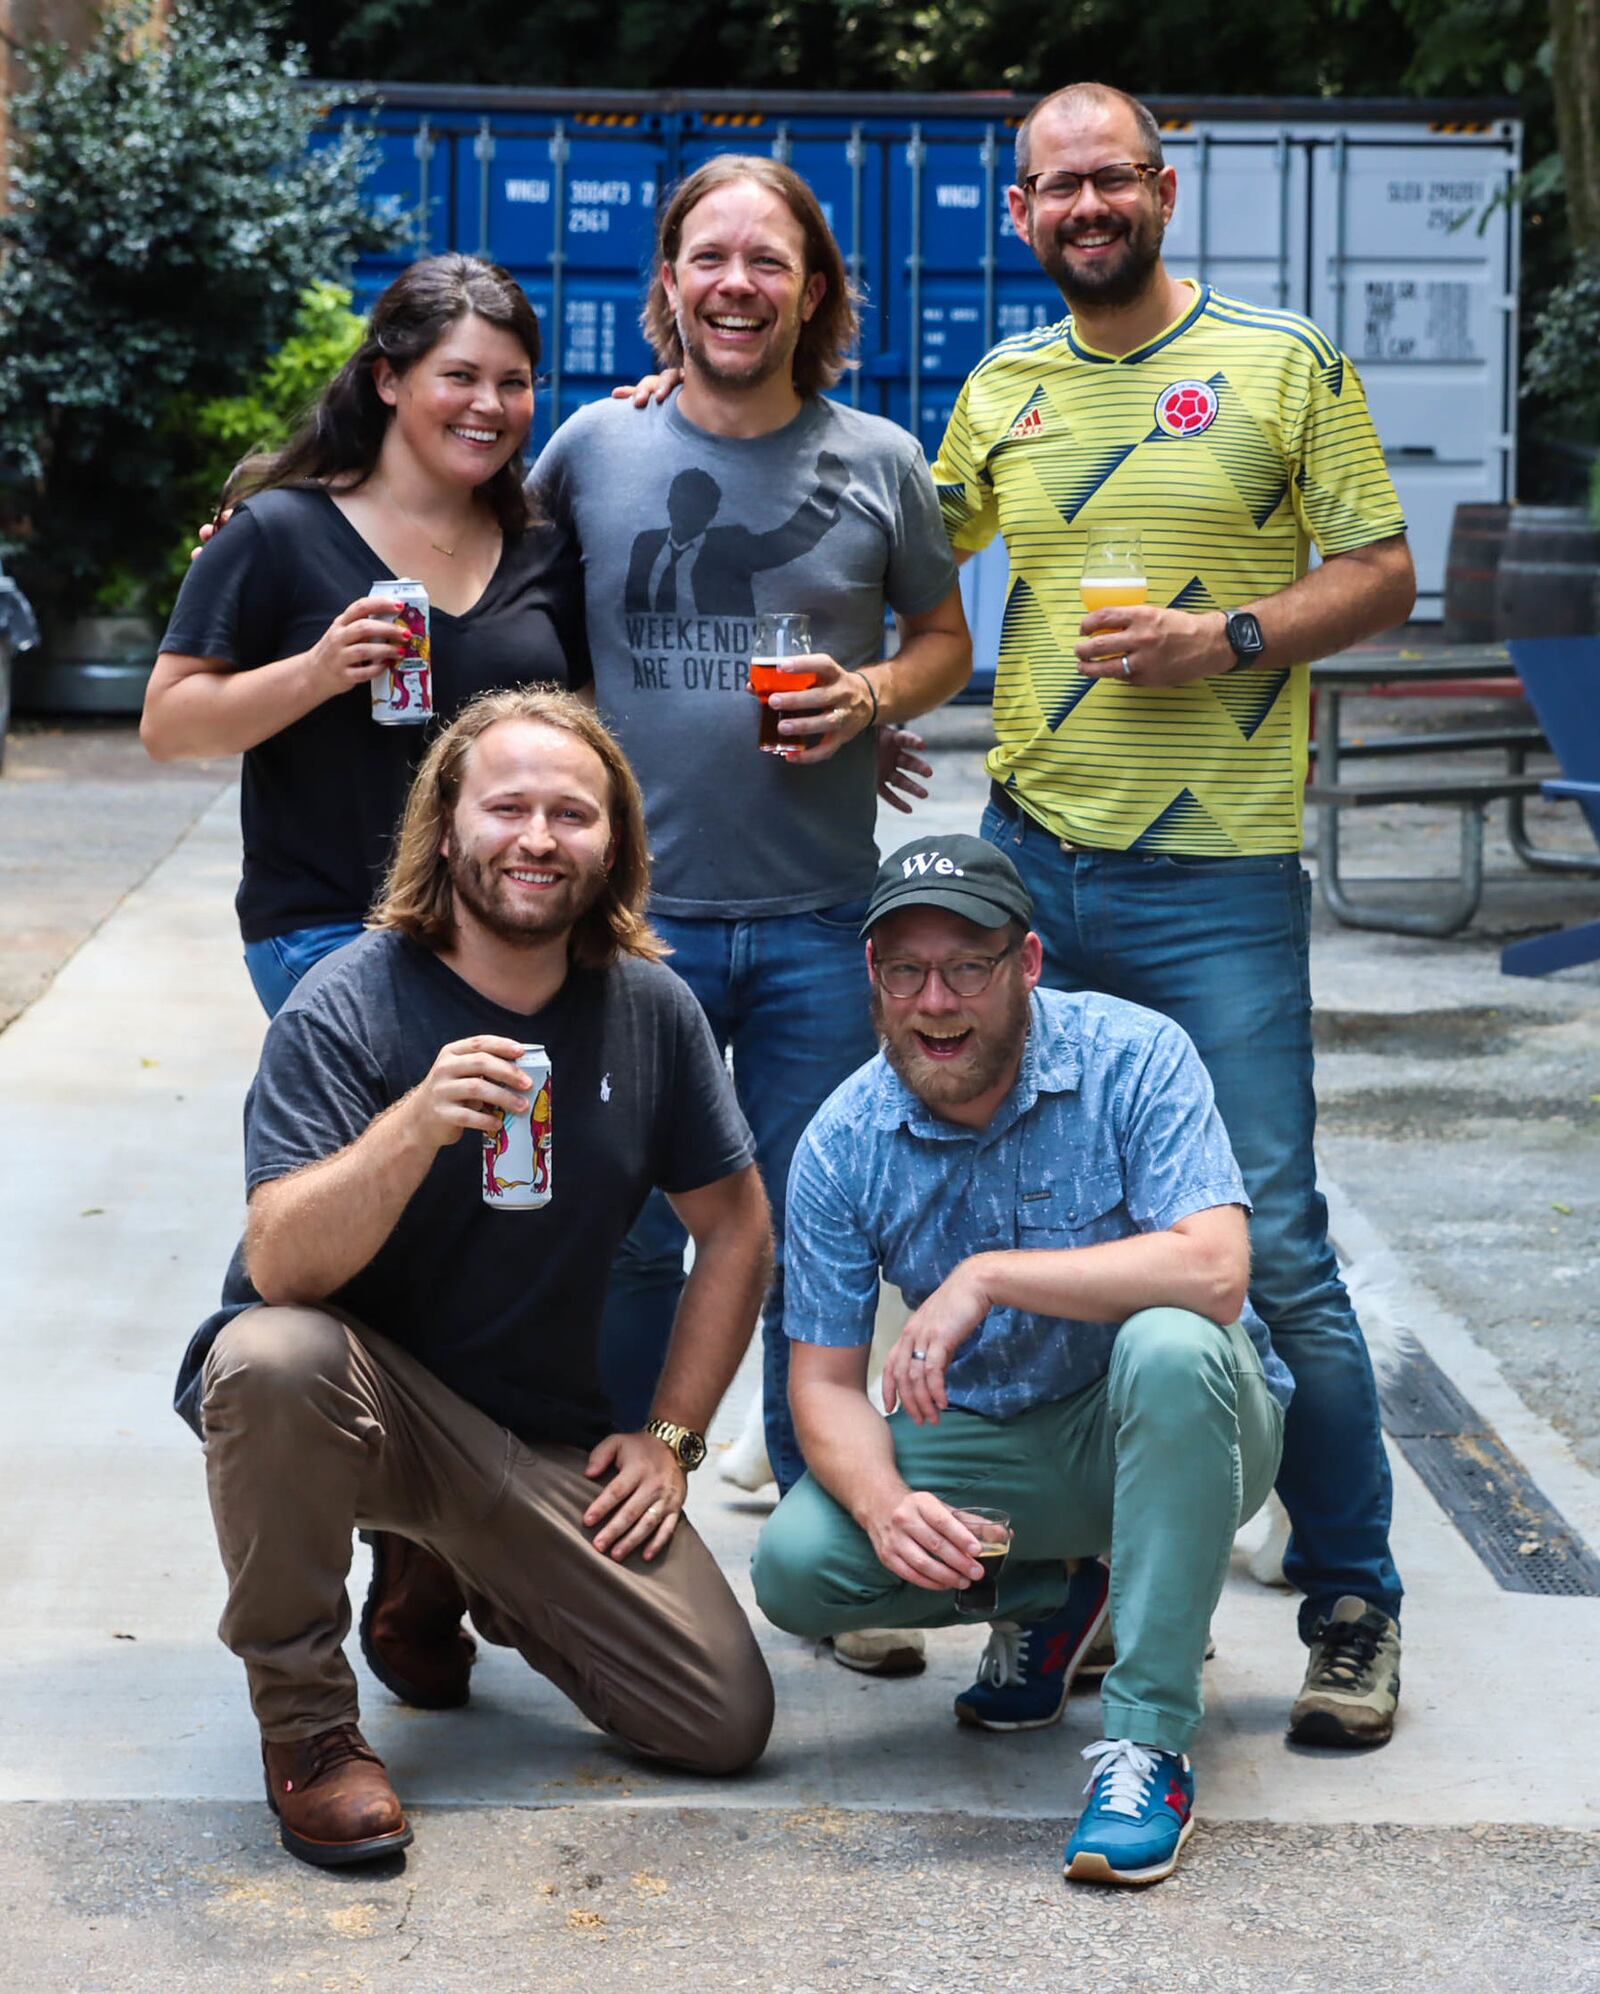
x=212, y=526
x=653, y=388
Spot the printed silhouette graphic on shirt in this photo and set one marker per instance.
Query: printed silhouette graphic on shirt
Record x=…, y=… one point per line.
x=692, y=567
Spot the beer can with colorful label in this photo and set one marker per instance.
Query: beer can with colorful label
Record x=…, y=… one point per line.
x=402, y=693
x=516, y=1158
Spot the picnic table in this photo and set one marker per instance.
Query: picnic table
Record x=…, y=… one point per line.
x=1444, y=668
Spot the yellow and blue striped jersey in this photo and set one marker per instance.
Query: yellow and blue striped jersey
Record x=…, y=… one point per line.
x=1232, y=442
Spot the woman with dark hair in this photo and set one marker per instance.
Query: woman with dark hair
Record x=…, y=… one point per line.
x=409, y=465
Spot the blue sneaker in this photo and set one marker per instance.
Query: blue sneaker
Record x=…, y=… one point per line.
x=1026, y=1672
x=1140, y=1814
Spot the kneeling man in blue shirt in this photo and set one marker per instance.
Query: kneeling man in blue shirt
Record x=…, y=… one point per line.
x=1047, y=1180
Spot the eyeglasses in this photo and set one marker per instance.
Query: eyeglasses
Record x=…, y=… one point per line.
x=962, y=976
x=1117, y=182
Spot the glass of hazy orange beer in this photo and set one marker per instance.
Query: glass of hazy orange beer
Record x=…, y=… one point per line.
x=1113, y=570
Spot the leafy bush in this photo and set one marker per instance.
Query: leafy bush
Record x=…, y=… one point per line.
x=171, y=199
x=224, y=428
x=1563, y=364
x=1562, y=374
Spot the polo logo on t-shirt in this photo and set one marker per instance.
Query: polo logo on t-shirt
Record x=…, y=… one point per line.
x=919, y=863
x=605, y=1086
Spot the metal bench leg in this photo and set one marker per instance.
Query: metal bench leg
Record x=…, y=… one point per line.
x=1535, y=855
x=1565, y=949
x=1397, y=921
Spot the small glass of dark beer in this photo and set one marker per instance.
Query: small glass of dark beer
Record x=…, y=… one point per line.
x=992, y=1528
x=779, y=637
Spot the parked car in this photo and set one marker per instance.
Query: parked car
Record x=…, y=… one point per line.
x=19, y=631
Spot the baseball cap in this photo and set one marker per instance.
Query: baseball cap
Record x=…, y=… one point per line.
x=962, y=874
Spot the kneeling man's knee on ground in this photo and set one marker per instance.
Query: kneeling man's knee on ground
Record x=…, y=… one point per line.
x=713, y=1715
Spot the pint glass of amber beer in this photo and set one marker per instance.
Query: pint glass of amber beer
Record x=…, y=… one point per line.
x=780, y=636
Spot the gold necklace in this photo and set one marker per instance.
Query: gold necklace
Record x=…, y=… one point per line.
x=438, y=546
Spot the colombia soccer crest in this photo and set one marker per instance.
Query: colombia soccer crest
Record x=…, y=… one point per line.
x=1186, y=408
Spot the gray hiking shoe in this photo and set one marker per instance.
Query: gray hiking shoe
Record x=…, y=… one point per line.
x=1352, y=1680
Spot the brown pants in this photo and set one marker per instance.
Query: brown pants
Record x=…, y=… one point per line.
x=313, y=1428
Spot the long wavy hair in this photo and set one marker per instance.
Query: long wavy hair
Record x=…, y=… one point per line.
x=341, y=435
x=417, y=897
x=828, y=337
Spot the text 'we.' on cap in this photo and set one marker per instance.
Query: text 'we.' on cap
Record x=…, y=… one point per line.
x=963, y=875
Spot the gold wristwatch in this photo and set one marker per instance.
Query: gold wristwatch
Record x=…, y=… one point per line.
x=689, y=1446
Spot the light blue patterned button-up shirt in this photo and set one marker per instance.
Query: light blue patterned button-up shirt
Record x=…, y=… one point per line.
x=1110, y=1130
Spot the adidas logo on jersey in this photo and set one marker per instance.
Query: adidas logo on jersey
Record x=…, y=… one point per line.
x=1031, y=424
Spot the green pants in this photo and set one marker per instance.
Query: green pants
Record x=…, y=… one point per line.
x=1161, y=1460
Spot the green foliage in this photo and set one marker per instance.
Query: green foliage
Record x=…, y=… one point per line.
x=1563, y=365
x=170, y=201
x=325, y=334
x=1175, y=47
x=223, y=428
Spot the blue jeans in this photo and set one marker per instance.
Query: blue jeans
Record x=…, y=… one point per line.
x=790, y=995
x=1223, y=947
x=277, y=964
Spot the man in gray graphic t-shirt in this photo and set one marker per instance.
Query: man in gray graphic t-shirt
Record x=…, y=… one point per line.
x=686, y=536
x=748, y=492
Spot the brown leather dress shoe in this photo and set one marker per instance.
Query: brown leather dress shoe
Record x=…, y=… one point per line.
x=411, y=1632
x=333, y=1799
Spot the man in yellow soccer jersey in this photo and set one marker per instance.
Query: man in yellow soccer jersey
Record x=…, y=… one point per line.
x=1151, y=756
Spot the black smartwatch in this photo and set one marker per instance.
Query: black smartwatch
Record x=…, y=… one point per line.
x=1244, y=638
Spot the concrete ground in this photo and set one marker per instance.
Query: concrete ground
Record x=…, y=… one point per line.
x=877, y=1844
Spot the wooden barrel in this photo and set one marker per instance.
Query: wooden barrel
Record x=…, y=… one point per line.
x=1548, y=571
x=1477, y=534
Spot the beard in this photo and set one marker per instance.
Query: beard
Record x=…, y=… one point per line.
x=483, y=893
x=778, y=358
x=990, y=1054
x=1119, y=278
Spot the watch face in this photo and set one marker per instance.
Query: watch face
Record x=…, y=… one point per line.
x=1244, y=634
x=691, y=1450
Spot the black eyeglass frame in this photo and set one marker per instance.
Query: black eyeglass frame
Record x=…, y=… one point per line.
x=1140, y=168
x=927, y=968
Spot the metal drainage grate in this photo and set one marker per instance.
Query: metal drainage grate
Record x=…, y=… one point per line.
x=1522, y=1539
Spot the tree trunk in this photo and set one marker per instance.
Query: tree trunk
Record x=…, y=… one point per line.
x=1575, y=38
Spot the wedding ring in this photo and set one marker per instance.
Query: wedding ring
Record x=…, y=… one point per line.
x=918, y=1356
x=1127, y=669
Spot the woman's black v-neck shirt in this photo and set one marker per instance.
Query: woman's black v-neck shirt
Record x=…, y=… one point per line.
x=322, y=799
